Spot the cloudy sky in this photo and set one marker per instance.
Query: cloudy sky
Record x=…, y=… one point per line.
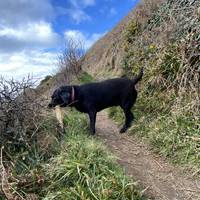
x=32, y=32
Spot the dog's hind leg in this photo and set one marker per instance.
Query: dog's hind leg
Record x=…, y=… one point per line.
x=92, y=116
x=128, y=120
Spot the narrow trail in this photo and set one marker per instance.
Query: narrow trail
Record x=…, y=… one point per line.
x=161, y=180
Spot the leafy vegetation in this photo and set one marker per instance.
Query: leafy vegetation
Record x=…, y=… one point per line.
x=85, y=77
x=167, y=109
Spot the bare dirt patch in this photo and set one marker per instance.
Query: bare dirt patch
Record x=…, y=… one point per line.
x=160, y=179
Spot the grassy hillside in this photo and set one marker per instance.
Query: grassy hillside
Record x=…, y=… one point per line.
x=167, y=112
x=164, y=38
x=79, y=167
x=106, y=55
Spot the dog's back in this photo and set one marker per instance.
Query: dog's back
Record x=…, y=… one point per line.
x=111, y=92
x=108, y=93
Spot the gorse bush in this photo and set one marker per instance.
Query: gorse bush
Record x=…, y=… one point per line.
x=170, y=63
x=85, y=77
x=167, y=110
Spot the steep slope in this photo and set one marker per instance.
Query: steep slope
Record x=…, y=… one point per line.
x=106, y=55
x=164, y=38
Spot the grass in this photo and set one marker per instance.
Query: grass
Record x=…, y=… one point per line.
x=80, y=167
x=85, y=77
x=84, y=169
x=174, y=136
x=171, y=132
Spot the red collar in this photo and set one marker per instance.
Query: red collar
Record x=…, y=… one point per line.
x=73, y=95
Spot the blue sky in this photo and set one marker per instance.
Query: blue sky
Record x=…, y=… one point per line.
x=32, y=32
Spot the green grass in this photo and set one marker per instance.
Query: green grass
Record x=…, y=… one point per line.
x=172, y=133
x=80, y=167
x=85, y=77
x=85, y=169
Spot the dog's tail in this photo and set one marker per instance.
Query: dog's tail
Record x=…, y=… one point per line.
x=137, y=78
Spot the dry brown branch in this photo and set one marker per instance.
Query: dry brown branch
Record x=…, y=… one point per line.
x=4, y=180
x=70, y=61
x=19, y=112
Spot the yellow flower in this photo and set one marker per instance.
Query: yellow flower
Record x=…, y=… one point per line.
x=152, y=46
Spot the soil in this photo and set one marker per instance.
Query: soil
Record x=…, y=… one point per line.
x=158, y=178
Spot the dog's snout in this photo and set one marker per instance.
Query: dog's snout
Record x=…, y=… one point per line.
x=50, y=105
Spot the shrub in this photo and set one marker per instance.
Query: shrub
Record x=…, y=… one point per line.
x=130, y=32
x=171, y=63
x=20, y=113
x=85, y=77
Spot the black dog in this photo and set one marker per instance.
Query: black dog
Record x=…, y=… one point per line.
x=92, y=97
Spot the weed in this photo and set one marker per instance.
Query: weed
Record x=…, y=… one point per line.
x=85, y=77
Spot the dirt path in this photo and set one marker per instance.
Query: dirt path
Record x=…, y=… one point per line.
x=161, y=180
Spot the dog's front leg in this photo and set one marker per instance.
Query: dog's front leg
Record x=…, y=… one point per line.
x=92, y=116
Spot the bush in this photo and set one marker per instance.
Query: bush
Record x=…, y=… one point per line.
x=85, y=77
x=27, y=136
x=20, y=113
x=167, y=109
x=130, y=33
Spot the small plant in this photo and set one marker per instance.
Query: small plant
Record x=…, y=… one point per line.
x=131, y=31
x=85, y=77
x=117, y=114
x=171, y=63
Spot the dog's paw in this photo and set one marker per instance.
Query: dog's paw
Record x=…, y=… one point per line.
x=123, y=130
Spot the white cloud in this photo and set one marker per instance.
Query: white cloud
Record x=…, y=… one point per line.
x=76, y=11
x=89, y=2
x=86, y=39
x=108, y=11
x=36, y=63
x=17, y=12
x=26, y=35
x=78, y=15
x=82, y=3
x=29, y=35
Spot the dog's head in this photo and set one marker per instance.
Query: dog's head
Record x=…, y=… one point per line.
x=61, y=97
